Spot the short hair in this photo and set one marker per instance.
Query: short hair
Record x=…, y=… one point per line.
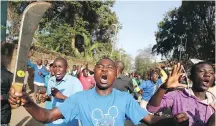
x=194, y=68
x=62, y=59
x=85, y=69
x=120, y=64
x=107, y=58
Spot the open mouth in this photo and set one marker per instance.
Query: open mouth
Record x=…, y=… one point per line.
x=206, y=82
x=58, y=75
x=104, y=79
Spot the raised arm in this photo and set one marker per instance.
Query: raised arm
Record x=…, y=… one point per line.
x=32, y=65
x=138, y=114
x=156, y=102
x=163, y=74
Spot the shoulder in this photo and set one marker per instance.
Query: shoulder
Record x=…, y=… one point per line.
x=72, y=78
x=176, y=93
x=121, y=94
x=159, y=80
x=146, y=82
x=125, y=78
x=5, y=72
x=82, y=94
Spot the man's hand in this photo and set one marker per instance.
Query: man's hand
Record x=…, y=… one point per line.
x=40, y=73
x=182, y=119
x=18, y=98
x=57, y=94
x=173, y=79
x=43, y=97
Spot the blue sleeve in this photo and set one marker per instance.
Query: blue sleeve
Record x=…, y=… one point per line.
x=75, y=87
x=159, y=81
x=143, y=85
x=78, y=86
x=31, y=64
x=134, y=111
x=49, y=86
x=69, y=108
x=46, y=80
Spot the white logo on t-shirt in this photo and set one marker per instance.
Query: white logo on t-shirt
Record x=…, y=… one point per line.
x=105, y=119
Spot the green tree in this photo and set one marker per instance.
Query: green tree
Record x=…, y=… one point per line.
x=144, y=61
x=187, y=32
x=73, y=27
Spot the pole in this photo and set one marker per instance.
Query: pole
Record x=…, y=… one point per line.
x=113, y=43
x=3, y=20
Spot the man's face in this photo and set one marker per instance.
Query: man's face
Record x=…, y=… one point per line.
x=77, y=67
x=138, y=77
x=154, y=77
x=39, y=62
x=52, y=70
x=203, y=78
x=60, y=69
x=74, y=67
x=85, y=73
x=45, y=62
x=105, y=74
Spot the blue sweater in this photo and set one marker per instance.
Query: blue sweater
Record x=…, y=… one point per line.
x=37, y=77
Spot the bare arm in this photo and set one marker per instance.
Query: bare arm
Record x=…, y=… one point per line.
x=151, y=119
x=41, y=114
x=157, y=97
x=181, y=119
x=163, y=75
x=171, y=83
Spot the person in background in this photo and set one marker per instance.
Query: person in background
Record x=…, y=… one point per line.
x=183, y=79
x=87, y=81
x=48, y=104
x=122, y=82
x=145, y=77
x=39, y=74
x=74, y=71
x=46, y=64
x=6, y=81
x=149, y=87
x=196, y=102
x=139, y=78
x=132, y=75
x=60, y=87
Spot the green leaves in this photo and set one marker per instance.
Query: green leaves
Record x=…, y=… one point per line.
x=65, y=20
x=190, y=26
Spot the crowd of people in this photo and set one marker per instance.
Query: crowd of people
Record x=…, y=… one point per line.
x=108, y=97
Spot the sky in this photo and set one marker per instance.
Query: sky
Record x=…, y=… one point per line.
x=139, y=20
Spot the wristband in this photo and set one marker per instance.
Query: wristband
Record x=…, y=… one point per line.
x=164, y=87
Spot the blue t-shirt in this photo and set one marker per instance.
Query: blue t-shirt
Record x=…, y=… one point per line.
x=149, y=88
x=93, y=109
x=48, y=104
x=68, y=86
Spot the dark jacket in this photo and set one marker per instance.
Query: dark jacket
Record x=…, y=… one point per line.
x=123, y=83
x=6, y=81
